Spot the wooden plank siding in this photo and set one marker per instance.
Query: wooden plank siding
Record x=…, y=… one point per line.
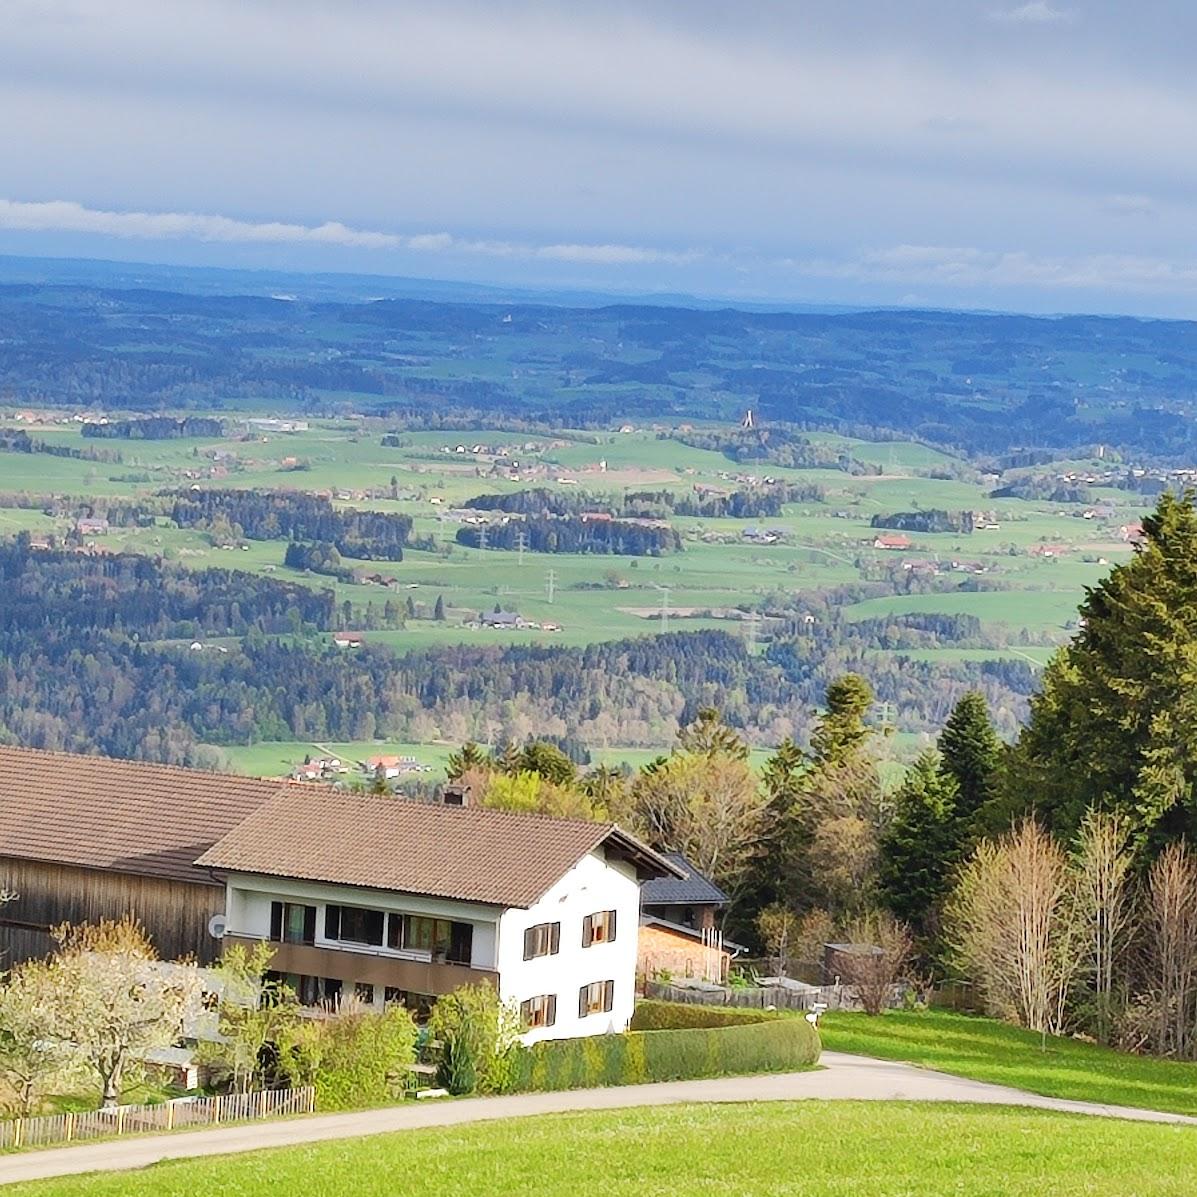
x=175, y=914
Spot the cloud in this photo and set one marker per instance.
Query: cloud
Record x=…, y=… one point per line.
x=67, y=216
x=1130, y=205
x=1036, y=12
x=955, y=266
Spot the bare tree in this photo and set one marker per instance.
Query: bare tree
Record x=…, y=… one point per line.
x=778, y=929
x=1104, y=907
x=1012, y=923
x=874, y=958
x=1170, y=925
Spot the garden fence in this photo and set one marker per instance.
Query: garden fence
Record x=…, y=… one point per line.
x=164, y=1116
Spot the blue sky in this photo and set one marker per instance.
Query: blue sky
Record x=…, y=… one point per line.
x=1035, y=156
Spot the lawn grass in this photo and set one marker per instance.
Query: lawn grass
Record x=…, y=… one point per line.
x=987, y=1050
x=815, y=1149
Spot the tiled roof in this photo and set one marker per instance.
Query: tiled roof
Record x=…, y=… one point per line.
x=692, y=889
x=378, y=842
x=125, y=816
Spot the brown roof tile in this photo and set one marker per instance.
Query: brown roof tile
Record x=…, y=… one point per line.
x=126, y=816
x=376, y=842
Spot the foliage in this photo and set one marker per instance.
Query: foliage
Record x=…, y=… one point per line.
x=708, y=807
x=479, y=1036
x=920, y=846
x=722, y=1046
x=255, y=1013
x=115, y=1000
x=354, y=1057
x=708, y=735
x=32, y=1063
x=653, y=1015
x=970, y=753
x=1115, y=725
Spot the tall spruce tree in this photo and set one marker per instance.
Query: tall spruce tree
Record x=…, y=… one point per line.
x=1115, y=724
x=921, y=846
x=971, y=755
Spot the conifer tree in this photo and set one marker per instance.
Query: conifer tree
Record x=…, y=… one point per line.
x=1115, y=724
x=921, y=845
x=970, y=754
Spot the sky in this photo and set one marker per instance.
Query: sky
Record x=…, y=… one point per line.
x=1036, y=156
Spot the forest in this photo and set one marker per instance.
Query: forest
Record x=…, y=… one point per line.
x=293, y=515
x=84, y=639
x=986, y=384
x=574, y=534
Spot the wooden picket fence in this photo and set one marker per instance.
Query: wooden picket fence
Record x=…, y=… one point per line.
x=165, y=1116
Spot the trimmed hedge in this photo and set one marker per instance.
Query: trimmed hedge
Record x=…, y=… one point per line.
x=676, y=1016
x=748, y=1041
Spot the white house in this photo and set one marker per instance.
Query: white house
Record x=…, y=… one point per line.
x=397, y=901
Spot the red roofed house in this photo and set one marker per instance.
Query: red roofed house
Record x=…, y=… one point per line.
x=889, y=541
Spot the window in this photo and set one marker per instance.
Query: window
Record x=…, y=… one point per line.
x=292, y=922
x=539, y=1011
x=596, y=998
x=420, y=1004
x=598, y=928
x=443, y=939
x=310, y=991
x=542, y=940
x=363, y=991
x=352, y=924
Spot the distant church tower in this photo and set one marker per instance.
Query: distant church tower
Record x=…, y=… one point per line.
x=747, y=421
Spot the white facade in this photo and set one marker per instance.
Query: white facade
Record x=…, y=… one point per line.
x=591, y=887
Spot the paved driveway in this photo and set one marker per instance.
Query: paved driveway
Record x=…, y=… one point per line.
x=841, y=1078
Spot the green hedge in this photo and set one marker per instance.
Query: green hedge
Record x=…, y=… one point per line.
x=676, y=1016
x=749, y=1041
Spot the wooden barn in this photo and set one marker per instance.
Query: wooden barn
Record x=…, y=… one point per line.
x=84, y=838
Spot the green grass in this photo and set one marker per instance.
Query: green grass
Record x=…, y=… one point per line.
x=810, y=1149
x=987, y=1050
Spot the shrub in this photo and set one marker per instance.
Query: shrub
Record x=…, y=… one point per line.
x=702, y=1041
x=675, y=1016
x=479, y=1036
x=353, y=1058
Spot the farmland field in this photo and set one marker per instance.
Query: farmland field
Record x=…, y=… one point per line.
x=1020, y=576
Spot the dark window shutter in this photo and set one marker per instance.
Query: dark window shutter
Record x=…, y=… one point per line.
x=276, y=920
x=608, y=995
x=550, y=1015
x=582, y=993
x=332, y=922
x=394, y=930
x=555, y=945
x=529, y=943
x=526, y=1012
x=587, y=931
x=309, y=924
x=610, y=929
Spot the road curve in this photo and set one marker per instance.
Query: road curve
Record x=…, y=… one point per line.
x=843, y=1077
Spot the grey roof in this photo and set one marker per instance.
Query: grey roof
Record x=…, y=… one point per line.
x=692, y=890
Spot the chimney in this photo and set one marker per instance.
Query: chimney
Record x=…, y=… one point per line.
x=455, y=793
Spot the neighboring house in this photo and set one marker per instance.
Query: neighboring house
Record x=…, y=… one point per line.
x=502, y=619
x=84, y=838
x=679, y=932
x=348, y=639
x=391, y=766
x=396, y=901
x=888, y=541
x=1131, y=533
x=91, y=527
x=1049, y=551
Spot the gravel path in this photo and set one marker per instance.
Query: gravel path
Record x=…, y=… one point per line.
x=842, y=1077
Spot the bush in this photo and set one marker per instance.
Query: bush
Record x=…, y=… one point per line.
x=353, y=1058
x=676, y=1016
x=702, y=1042
x=479, y=1037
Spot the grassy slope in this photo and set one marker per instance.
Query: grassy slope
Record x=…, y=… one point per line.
x=815, y=1149
x=987, y=1050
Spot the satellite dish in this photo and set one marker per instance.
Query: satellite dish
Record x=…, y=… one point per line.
x=218, y=926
